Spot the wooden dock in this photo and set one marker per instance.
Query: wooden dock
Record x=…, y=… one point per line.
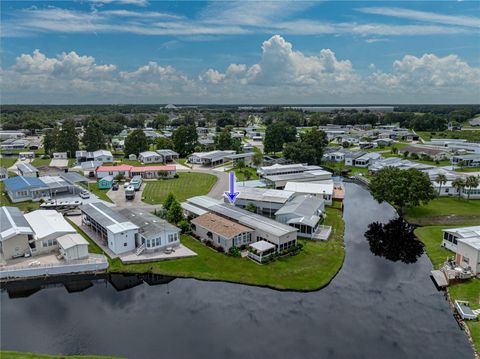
x=439, y=278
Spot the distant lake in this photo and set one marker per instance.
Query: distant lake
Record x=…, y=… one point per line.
x=374, y=308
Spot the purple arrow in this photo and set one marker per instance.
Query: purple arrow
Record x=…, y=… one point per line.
x=232, y=195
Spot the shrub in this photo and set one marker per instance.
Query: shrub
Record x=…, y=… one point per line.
x=234, y=252
x=185, y=226
x=209, y=243
x=220, y=249
x=176, y=175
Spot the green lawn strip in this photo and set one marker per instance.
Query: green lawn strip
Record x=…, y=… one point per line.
x=126, y=161
x=101, y=193
x=21, y=355
x=41, y=162
x=469, y=291
x=469, y=135
x=188, y=184
x=183, y=162
x=468, y=169
x=240, y=173
x=313, y=268
x=7, y=162
x=431, y=237
x=445, y=211
x=92, y=246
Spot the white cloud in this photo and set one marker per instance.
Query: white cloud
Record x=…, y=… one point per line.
x=283, y=75
x=141, y=3
x=423, y=16
x=224, y=18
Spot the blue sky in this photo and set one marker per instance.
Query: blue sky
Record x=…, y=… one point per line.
x=240, y=52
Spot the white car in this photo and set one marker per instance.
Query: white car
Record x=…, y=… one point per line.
x=84, y=194
x=126, y=184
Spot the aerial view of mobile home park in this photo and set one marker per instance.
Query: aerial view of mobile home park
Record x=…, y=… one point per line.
x=270, y=200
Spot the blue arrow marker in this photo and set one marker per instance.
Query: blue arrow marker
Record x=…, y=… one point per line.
x=232, y=195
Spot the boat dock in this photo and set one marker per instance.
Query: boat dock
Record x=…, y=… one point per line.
x=439, y=278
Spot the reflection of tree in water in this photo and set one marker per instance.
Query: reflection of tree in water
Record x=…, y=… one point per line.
x=394, y=240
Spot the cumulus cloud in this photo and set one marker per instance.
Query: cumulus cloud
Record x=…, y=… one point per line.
x=283, y=74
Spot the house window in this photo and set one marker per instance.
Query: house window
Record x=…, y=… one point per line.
x=125, y=244
x=466, y=260
x=148, y=243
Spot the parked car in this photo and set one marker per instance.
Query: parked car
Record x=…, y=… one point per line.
x=115, y=187
x=126, y=184
x=84, y=194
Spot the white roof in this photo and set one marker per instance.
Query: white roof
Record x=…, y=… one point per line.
x=12, y=222
x=262, y=246
x=310, y=187
x=264, y=195
x=148, y=154
x=465, y=232
x=102, y=153
x=47, y=222
x=71, y=240
x=473, y=242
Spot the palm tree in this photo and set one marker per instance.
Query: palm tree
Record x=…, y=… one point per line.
x=458, y=183
x=441, y=180
x=471, y=182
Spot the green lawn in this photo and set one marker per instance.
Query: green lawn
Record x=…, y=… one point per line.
x=240, y=174
x=126, y=161
x=41, y=162
x=19, y=355
x=183, y=162
x=313, y=268
x=468, y=169
x=470, y=135
x=101, y=193
x=470, y=290
x=445, y=210
x=23, y=206
x=7, y=162
x=188, y=184
x=431, y=236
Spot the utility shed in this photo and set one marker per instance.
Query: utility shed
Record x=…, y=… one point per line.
x=73, y=246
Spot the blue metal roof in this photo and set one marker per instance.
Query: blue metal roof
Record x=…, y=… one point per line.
x=20, y=182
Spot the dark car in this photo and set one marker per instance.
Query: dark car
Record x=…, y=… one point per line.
x=115, y=187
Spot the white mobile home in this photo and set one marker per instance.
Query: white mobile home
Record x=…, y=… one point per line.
x=111, y=227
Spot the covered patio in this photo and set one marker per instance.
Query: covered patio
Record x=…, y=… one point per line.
x=261, y=250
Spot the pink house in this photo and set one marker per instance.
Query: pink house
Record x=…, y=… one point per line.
x=146, y=172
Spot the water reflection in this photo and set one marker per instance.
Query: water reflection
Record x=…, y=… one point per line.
x=80, y=283
x=394, y=240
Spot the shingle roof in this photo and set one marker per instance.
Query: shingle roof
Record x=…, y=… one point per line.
x=220, y=225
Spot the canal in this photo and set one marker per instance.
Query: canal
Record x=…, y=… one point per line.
x=374, y=308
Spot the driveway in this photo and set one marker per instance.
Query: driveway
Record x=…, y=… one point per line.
x=118, y=197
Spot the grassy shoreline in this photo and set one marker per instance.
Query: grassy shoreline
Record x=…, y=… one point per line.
x=312, y=269
x=7, y=354
x=431, y=237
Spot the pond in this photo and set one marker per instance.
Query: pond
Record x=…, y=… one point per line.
x=374, y=308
